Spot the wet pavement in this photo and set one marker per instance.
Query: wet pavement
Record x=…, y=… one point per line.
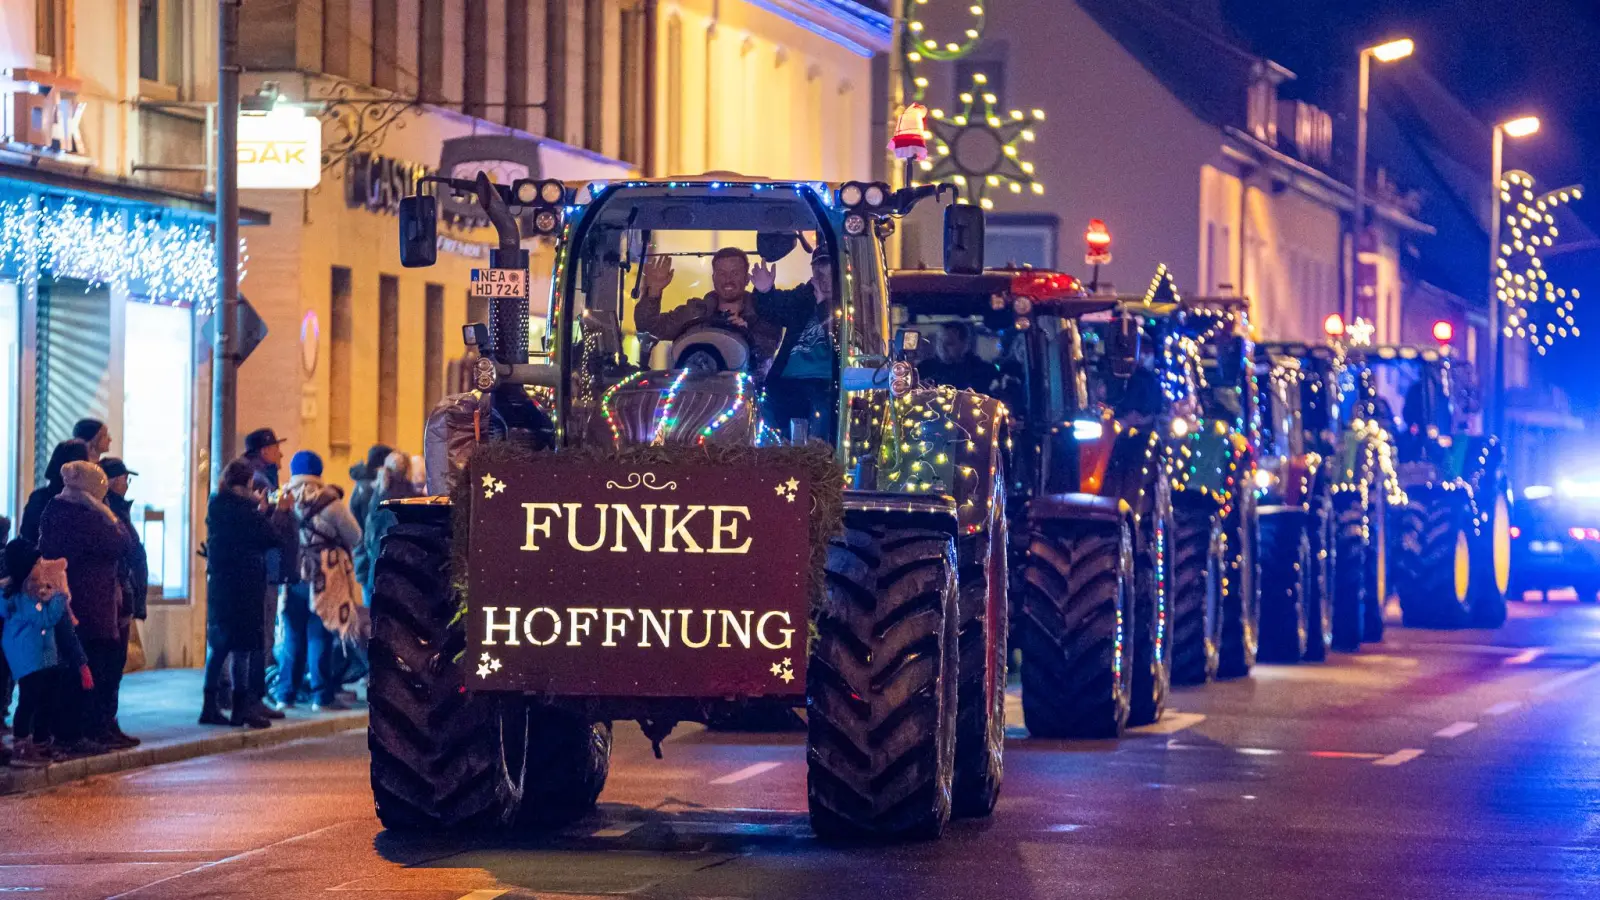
x=1459, y=764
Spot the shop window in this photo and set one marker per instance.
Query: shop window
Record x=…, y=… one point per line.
x=161, y=45
x=336, y=37
x=1020, y=240
x=385, y=43
x=157, y=417
x=50, y=34
x=74, y=370
x=388, y=358
x=10, y=372
x=433, y=352
x=341, y=332
x=430, y=52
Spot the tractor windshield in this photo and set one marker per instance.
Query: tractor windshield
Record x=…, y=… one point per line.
x=1403, y=394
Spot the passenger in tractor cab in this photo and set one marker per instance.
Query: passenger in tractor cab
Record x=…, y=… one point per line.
x=799, y=384
x=728, y=300
x=955, y=364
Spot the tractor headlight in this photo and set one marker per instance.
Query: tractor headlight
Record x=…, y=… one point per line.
x=552, y=192
x=525, y=191
x=850, y=194
x=1022, y=305
x=1087, y=429
x=875, y=194
x=546, y=221
x=855, y=224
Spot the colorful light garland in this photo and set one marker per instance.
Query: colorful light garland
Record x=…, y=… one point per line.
x=743, y=384
x=1521, y=283
x=165, y=262
x=665, y=420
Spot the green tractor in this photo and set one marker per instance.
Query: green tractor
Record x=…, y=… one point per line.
x=1327, y=483
x=1451, y=540
x=718, y=520
x=1089, y=486
x=1203, y=355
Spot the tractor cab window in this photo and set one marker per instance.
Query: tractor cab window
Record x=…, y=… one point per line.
x=1404, y=394
x=736, y=290
x=1140, y=396
x=1280, y=403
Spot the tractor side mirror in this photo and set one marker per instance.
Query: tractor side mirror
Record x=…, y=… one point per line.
x=963, y=239
x=906, y=343
x=419, y=231
x=476, y=334
x=1124, y=355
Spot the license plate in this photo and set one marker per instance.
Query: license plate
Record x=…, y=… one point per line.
x=500, y=284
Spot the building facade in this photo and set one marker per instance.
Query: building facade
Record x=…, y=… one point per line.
x=107, y=266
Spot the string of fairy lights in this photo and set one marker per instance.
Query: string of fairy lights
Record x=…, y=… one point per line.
x=1536, y=310
x=979, y=146
x=167, y=262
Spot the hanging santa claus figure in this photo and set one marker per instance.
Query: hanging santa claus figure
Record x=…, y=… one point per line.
x=910, y=141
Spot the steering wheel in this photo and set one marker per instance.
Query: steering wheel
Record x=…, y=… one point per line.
x=710, y=345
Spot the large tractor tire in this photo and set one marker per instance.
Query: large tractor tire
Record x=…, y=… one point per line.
x=1437, y=549
x=1319, y=581
x=1240, y=595
x=443, y=758
x=1076, y=591
x=1151, y=673
x=1196, y=549
x=981, y=646
x=1348, y=570
x=1285, y=561
x=1375, y=595
x=881, y=686
x=1491, y=575
x=567, y=761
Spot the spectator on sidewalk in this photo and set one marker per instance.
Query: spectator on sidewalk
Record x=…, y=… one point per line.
x=95, y=435
x=263, y=450
x=240, y=532
x=67, y=451
x=78, y=526
x=364, y=476
x=8, y=681
x=322, y=604
x=38, y=642
x=393, y=483
x=133, y=575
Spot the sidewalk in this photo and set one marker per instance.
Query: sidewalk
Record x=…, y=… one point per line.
x=161, y=708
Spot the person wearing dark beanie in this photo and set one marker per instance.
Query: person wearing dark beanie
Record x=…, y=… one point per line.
x=364, y=479
x=321, y=604
x=95, y=434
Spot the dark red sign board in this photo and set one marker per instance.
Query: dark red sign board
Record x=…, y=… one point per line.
x=608, y=579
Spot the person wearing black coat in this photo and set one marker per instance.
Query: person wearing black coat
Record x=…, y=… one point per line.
x=364, y=478
x=65, y=452
x=240, y=531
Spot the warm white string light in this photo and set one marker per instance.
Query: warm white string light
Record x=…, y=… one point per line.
x=1535, y=309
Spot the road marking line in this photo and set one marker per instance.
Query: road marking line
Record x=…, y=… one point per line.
x=746, y=772
x=1525, y=657
x=1399, y=757
x=1257, y=751
x=1556, y=684
x=1344, y=754
x=616, y=831
x=1503, y=707
x=1171, y=723
x=1456, y=730
x=247, y=854
x=484, y=894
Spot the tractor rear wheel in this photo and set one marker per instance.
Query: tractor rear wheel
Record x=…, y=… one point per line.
x=1348, y=570
x=1491, y=576
x=981, y=646
x=443, y=758
x=1196, y=548
x=881, y=686
x=1285, y=560
x=1319, y=581
x=1376, y=594
x=1240, y=597
x=1438, y=550
x=567, y=761
x=1151, y=673
x=1077, y=586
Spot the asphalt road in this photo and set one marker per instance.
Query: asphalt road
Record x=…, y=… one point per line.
x=1437, y=765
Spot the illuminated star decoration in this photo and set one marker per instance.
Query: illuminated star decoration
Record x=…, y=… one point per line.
x=492, y=486
x=784, y=670
x=787, y=490
x=1535, y=309
x=978, y=148
x=1162, y=288
x=486, y=665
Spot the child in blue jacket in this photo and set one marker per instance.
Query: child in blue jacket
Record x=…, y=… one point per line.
x=40, y=646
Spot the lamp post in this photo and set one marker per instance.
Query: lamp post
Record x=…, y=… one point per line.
x=1517, y=128
x=1385, y=52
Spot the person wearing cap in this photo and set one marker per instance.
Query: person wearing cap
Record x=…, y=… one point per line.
x=133, y=574
x=78, y=526
x=322, y=603
x=95, y=435
x=801, y=377
x=263, y=449
x=728, y=298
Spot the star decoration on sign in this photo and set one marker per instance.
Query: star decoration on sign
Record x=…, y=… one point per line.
x=492, y=486
x=788, y=489
x=784, y=670
x=977, y=148
x=486, y=665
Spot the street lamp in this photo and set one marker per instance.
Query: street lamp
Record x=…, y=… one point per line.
x=1518, y=128
x=1385, y=52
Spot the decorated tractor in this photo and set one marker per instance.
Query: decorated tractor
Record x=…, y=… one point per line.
x=1451, y=538
x=1202, y=353
x=1327, y=481
x=1087, y=480
x=694, y=499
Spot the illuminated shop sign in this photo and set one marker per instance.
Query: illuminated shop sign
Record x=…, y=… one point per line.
x=377, y=183
x=280, y=150
x=43, y=113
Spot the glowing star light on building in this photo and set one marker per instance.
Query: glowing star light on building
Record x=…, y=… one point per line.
x=1536, y=310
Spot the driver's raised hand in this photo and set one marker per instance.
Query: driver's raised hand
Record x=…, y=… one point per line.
x=762, y=277
x=657, y=275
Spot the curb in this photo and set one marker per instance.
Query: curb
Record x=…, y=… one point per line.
x=16, y=781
